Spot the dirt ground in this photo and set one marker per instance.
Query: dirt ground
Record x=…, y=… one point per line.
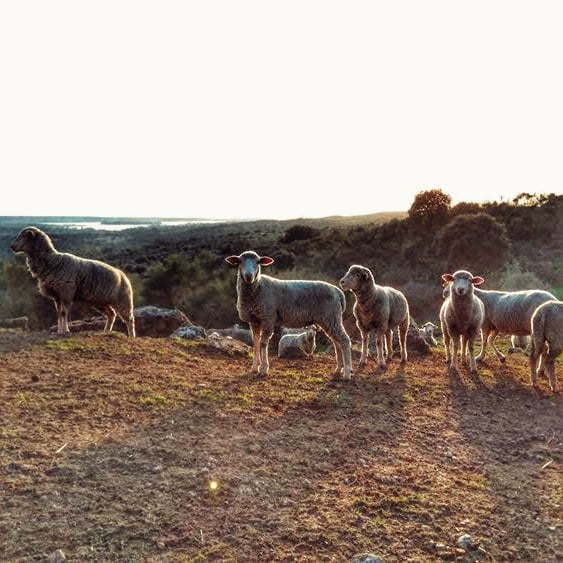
x=110, y=448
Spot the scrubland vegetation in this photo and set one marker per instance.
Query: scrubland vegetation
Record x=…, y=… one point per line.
x=514, y=245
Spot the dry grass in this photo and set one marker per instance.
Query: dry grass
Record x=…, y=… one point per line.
x=307, y=468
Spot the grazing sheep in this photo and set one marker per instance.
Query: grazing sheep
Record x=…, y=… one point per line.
x=265, y=302
x=237, y=332
x=17, y=322
x=66, y=278
x=508, y=312
x=461, y=316
x=546, y=341
x=518, y=342
x=299, y=345
x=379, y=309
x=426, y=331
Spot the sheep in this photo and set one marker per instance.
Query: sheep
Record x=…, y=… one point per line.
x=518, y=342
x=66, y=278
x=426, y=332
x=237, y=332
x=547, y=341
x=461, y=316
x=266, y=302
x=299, y=345
x=508, y=312
x=380, y=309
x=17, y=322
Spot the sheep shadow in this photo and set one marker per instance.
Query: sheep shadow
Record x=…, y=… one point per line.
x=512, y=430
x=148, y=490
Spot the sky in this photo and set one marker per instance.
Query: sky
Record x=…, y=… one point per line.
x=275, y=109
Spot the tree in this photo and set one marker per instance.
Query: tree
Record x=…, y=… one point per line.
x=430, y=208
x=475, y=242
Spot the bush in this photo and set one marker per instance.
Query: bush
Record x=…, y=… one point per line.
x=514, y=278
x=299, y=232
x=475, y=242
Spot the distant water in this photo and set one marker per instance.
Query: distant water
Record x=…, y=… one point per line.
x=98, y=226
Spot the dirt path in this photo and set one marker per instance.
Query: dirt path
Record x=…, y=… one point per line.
x=108, y=448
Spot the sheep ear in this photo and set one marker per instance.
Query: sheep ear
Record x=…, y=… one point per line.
x=233, y=260
x=266, y=261
x=478, y=280
x=447, y=278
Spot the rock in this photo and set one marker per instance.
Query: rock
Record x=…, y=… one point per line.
x=56, y=557
x=466, y=542
x=366, y=558
x=415, y=343
x=189, y=332
x=157, y=322
x=227, y=345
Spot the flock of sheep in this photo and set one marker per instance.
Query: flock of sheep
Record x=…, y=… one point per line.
x=532, y=317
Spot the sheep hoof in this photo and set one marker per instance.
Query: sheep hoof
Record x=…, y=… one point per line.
x=502, y=359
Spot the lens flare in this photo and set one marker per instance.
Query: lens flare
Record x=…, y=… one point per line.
x=213, y=485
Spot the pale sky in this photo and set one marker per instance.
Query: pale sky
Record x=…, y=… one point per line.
x=275, y=109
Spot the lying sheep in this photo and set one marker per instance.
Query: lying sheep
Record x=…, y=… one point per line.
x=66, y=278
x=426, y=331
x=508, y=312
x=237, y=332
x=461, y=316
x=518, y=343
x=298, y=345
x=547, y=341
x=16, y=322
x=265, y=302
x=379, y=309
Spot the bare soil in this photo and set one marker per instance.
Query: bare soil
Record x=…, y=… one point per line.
x=109, y=448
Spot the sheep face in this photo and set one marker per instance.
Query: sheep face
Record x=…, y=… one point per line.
x=31, y=240
x=428, y=329
x=462, y=282
x=249, y=265
x=356, y=277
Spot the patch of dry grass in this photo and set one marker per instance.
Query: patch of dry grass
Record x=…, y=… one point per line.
x=108, y=447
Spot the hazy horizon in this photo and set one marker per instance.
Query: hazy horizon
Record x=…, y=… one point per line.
x=254, y=109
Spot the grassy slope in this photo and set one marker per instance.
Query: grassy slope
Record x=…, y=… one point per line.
x=308, y=468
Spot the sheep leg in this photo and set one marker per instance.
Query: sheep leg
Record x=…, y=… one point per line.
x=264, y=341
x=484, y=341
x=380, y=353
x=463, y=349
x=365, y=344
x=471, y=358
x=535, y=354
x=110, y=315
x=342, y=347
x=455, y=352
x=58, y=308
x=389, y=343
x=550, y=368
x=65, y=314
x=447, y=346
x=492, y=337
x=256, y=337
x=403, y=330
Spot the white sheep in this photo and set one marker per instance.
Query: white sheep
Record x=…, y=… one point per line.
x=461, y=316
x=265, y=302
x=508, y=312
x=426, y=332
x=518, y=342
x=298, y=345
x=547, y=341
x=379, y=309
x=66, y=278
